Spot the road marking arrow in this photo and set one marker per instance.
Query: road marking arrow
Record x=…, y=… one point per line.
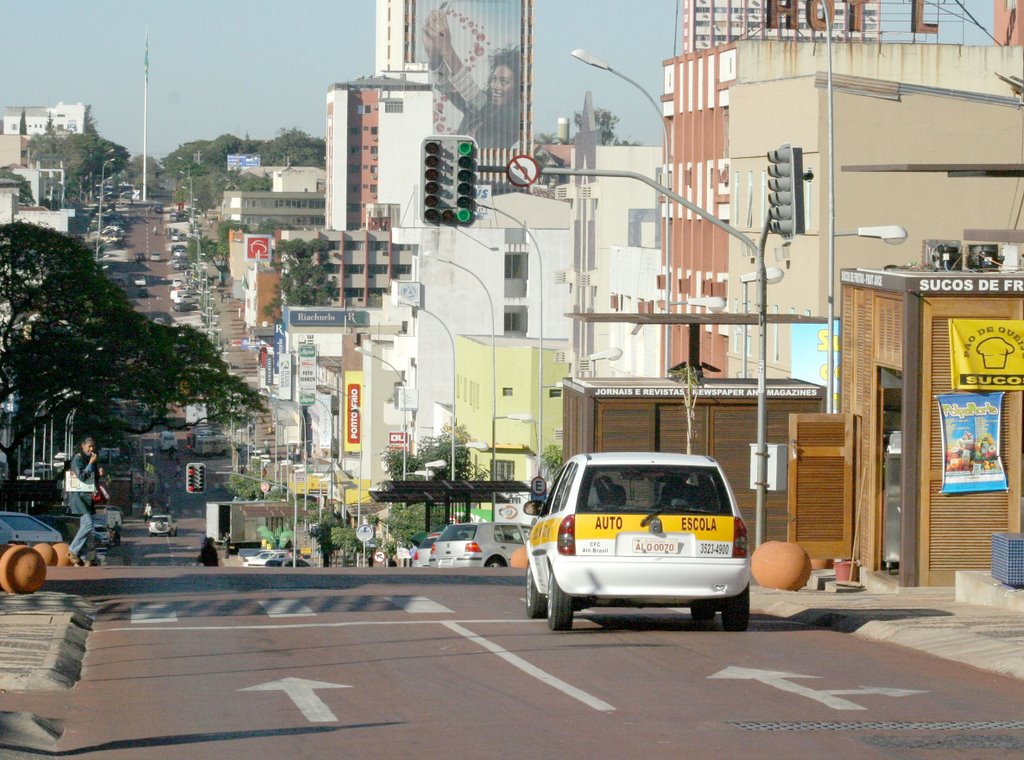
x=828, y=697
x=302, y=693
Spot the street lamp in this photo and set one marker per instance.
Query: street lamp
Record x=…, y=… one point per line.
x=494, y=353
x=772, y=276
x=612, y=354
x=99, y=218
x=451, y=338
x=405, y=412
x=666, y=149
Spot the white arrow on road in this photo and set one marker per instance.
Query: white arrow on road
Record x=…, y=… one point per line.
x=828, y=697
x=302, y=693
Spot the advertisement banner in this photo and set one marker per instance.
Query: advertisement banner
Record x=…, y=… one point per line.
x=353, y=410
x=258, y=247
x=472, y=49
x=307, y=374
x=970, y=442
x=284, y=377
x=279, y=346
x=987, y=354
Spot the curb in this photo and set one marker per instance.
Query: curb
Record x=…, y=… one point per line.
x=60, y=665
x=29, y=733
x=957, y=645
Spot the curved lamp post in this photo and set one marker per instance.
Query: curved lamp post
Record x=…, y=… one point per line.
x=405, y=414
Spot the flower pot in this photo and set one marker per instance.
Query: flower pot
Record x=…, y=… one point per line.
x=844, y=569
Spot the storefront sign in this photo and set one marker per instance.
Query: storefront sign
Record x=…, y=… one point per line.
x=353, y=410
x=258, y=247
x=307, y=374
x=987, y=354
x=970, y=442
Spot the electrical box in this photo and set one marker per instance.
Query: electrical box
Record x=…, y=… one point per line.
x=778, y=466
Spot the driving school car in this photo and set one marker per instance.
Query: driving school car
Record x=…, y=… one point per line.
x=639, y=530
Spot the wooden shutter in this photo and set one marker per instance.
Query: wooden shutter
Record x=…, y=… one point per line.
x=821, y=484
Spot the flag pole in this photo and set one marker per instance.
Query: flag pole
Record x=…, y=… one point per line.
x=145, y=125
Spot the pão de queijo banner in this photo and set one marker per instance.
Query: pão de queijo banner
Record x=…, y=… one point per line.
x=987, y=354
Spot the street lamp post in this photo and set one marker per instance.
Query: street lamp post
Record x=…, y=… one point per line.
x=494, y=353
x=451, y=338
x=99, y=218
x=773, y=275
x=666, y=150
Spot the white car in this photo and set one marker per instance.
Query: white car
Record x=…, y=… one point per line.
x=163, y=525
x=638, y=530
x=260, y=560
x=115, y=517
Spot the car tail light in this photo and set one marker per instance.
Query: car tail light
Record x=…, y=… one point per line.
x=739, y=541
x=433, y=548
x=567, y=536
x=472, y=547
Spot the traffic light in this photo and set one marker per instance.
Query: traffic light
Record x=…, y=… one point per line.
x=449, y=180
x=195, y=477
x=786, y=191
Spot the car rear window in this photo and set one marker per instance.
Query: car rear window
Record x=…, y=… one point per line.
x=647, y=488
x=458, y=533
x=426, y=543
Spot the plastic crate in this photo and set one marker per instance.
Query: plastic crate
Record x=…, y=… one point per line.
x=1008, y=558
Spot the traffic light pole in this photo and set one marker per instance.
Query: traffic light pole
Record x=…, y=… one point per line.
x=757, y=250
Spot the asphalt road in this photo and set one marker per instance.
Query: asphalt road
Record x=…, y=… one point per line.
x=383, y=662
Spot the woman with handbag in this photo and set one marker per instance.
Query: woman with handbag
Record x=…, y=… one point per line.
x=85, y=469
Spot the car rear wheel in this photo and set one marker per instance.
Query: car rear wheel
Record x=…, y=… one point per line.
x=495, y=562
x=736, y=612
x=702, y=611
x=559, y=606
x=536, y=604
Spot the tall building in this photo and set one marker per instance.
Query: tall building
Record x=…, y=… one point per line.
x=479, y=58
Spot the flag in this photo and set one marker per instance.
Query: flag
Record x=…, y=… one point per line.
x=147, y=58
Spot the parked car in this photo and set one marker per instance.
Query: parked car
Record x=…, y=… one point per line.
x=286, y=562
x=179, y=265
x=140, y=281
x=101, y=532
x=19, y=528
x=154, y=256
x=142, y=293
x=185, y=306
x=140, y=256
x=163, y=525
x=483, y=544
x=114, y=516
x=421, y=555
x=638, y=530
x=179, y=249
x=261, y=559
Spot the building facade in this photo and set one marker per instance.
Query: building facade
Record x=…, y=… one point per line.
x=63, y=117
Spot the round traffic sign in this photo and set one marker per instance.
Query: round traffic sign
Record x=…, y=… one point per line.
x=522, y=170
x=538, y=486
x=364, y=533
x=265, y=487
x=378, y=558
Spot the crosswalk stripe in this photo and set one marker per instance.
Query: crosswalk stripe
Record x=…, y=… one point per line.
x=417, y=604
x=153, y=613
x=285, y=608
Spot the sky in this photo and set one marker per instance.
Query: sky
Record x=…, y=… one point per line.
x=254, y=67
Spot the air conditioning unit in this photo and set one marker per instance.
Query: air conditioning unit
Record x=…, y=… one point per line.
x=561, y=357
x=583, y=279
x=563, y=276
x=1011, y=256
x=559, y=435
x=942, y=255
x=984, y=257
x=583, y=366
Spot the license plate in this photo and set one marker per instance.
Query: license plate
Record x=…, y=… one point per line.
x=445, y=562
x=655, y=545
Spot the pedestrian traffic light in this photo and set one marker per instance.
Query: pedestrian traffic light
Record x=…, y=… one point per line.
x=786, y=191
x=195, y=477
x=449, y=180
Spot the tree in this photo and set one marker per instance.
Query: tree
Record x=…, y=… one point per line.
x=432, y=449
x=688, y=378
x=604, y=124
x=70, y=340
x=24, y=187
x=23, y=124
x=305, y=278
x=293, y=147
x=552, y=458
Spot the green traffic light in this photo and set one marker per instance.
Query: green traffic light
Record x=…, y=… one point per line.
x=465, y=149
x=464, y=215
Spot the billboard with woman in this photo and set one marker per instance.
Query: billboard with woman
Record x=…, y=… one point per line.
x=473, y=49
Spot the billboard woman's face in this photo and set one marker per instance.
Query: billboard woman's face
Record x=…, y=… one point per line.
x=502, y=86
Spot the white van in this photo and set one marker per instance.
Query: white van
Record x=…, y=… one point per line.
x=168, y=440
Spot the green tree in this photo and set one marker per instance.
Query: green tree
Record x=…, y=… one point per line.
x=305, y=277
x=24, y=187
x=23, y=124
x=604, y=123
x=70, y=340
x=293, y=147
x=436, y=448
x=552, y=458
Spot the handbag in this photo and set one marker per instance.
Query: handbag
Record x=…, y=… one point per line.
x=73, y=485
x=100, y=495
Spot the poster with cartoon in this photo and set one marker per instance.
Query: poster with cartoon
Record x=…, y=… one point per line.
x=970, y=442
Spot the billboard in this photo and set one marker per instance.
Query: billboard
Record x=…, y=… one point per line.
x=353, y=410
x=473, y=49
x=243, y=160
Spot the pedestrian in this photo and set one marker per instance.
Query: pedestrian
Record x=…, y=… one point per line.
x=208, y=554
x=148, y=511
x=85, y=468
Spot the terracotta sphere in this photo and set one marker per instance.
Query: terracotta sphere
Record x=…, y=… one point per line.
x=518, y=558
x=22, y=570
x=61, y=550
x=781, y=565
x=47, y=553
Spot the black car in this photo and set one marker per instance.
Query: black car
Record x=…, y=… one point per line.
x=142, y=293
x=286, y=562
x=185, y=306
x=140, y=256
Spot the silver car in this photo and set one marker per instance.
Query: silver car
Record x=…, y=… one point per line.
x=422, y=555
x=477, y=544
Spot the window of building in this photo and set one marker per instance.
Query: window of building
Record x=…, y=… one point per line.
x=516, y=266
x=353, y=292
x=353, y=208
x=373, y=130
x=353, y=130
x=504, y=469
x=401, y=269
x=378, y=269
x=554, y=393
x=355, y=269
x=393, y=106
x=506, y=391
x=373, y=188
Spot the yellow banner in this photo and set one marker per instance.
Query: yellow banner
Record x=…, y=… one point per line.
x=987, y=354
x=353, y=424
